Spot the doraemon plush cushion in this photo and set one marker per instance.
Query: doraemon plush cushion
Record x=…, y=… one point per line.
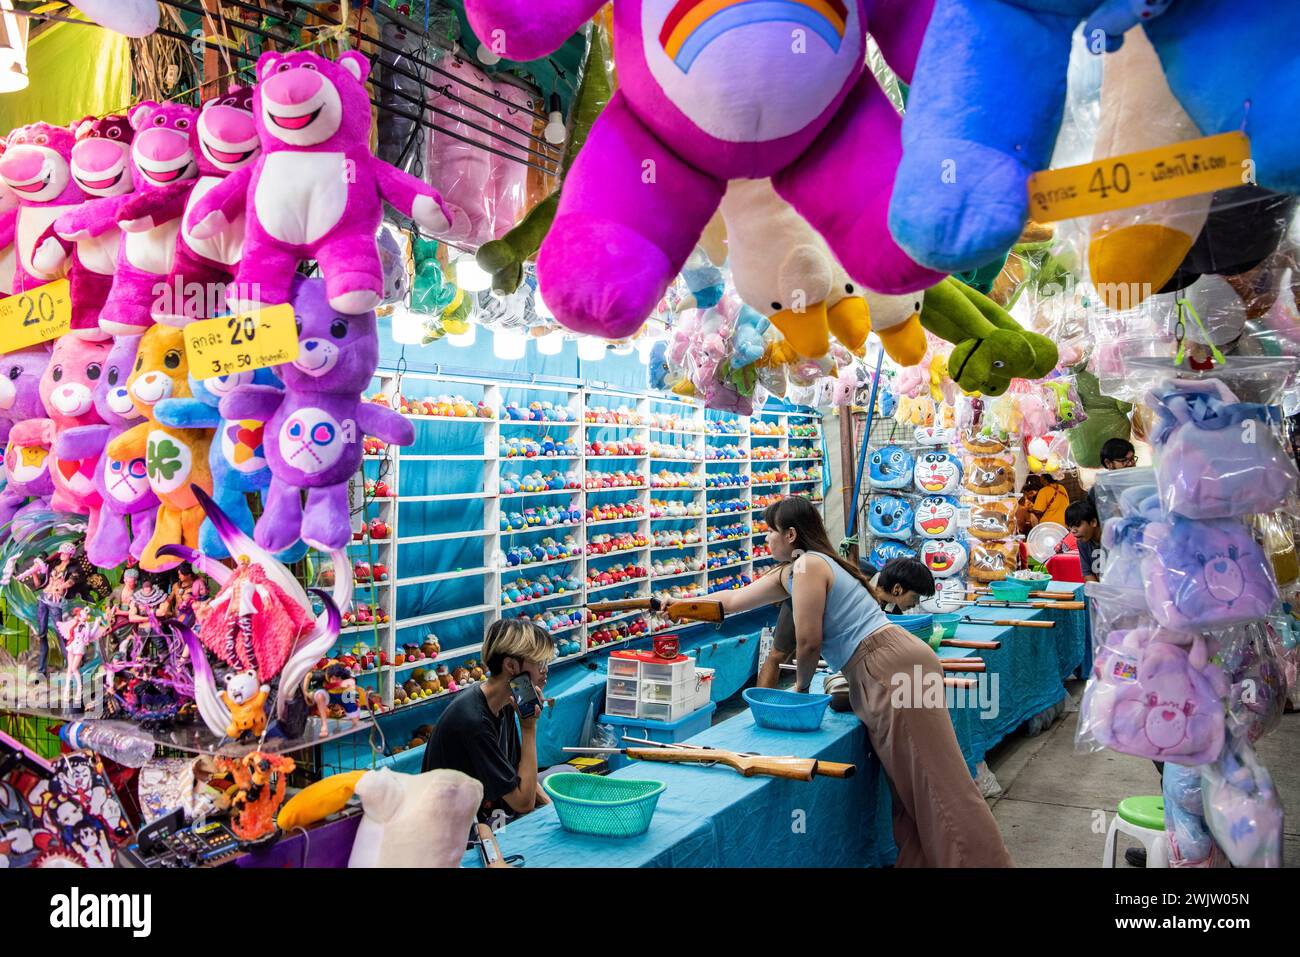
x=945, y=558
x=891, y=467
x=937, y=473
x=891, y=517
x=936, y=517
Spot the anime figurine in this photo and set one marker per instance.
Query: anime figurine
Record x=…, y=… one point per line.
x=260, y=781
x=60, y=579
x=246, y=700
x=79, y=632
x=342, y=690
x=253, y=624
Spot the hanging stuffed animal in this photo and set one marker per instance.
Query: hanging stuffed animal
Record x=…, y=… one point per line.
x=122, y=484
x=891, y=467
x=891, y=517
x=945, y=558
x=936, y=517
x=8, y=257
x=26, y=455
x=67, y=392
x=37, y=170
x=100, y=165
x=315, y=425
x=937, y=473
x=700, y=105
x=315, y=191
x=176, y=459
x=986, y=102
x=163, y=166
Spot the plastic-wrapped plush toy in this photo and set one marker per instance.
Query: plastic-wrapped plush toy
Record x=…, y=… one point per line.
x=314, y=427
x=1217, y=457
x=1106, y=418
x=891, y=517
x=937, y=473
x=936, y=517
x=1121, y=537
x=990, y=521
x=175, y=459
x=37, y=170
x=1004, y=61
x=75, y=368
x=885, y=551
x=99, y=164
x=163, y=165
x=461, y=169
x=237, y=456
x=992, y=561
x=122, y=485
x=26, y=460
x=1203, y=575
x=1153, y=697
x=1190, y=842
x=316, y=191
x=989, y=475
x=1242, y=808
x=699, y=106
x=891, y=467
x=945, y=558
x=949, y=595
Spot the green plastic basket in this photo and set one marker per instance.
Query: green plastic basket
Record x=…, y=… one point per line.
x=603, y=806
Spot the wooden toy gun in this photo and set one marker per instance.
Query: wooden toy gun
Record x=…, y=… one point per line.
x=749, y=765
x=691, y=609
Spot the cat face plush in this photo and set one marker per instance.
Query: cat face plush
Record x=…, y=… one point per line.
x=933, y=435
x=337, y=352
x=891, y=467
x=885, y=552
x=937, y=473
x=992, y=561
x=891, y=517
x=936, y=517
x=986, y=475
x=992, y=520
x=945, y=558
x=1203, y=575
x=979, y=443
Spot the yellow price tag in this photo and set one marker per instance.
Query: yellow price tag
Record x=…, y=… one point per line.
x=241, y=343
x=37, y=315
x=1137, y=179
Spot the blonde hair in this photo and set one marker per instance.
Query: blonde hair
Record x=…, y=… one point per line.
x=516, y=638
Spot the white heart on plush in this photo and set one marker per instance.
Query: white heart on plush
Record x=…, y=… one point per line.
x=132, y=18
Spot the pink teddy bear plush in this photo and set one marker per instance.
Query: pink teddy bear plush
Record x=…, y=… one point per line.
x=37, y=169
x=67, y=392
x=161, y=156
x=316, y=191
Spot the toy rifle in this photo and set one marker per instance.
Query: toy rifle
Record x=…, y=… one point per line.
x=691, y=609
x=488, y=847
x=995, y=603
x=1005, y=623
x=749, y=765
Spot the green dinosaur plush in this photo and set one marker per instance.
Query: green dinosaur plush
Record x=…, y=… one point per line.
x=504, y=258
x=1108, y=418
x=989, y=347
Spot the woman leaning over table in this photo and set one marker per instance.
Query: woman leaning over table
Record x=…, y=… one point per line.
x=940, y=818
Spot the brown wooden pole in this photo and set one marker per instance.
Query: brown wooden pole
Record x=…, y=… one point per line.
x=211, y=58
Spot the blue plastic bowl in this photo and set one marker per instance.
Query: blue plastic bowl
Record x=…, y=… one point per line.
x=947, y=623
x=919, y=625
x=786, y=710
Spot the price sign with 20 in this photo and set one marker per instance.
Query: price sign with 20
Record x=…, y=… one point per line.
x=242, y=343
x=35, y=316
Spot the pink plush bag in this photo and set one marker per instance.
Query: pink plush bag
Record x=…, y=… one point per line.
x=460, y=170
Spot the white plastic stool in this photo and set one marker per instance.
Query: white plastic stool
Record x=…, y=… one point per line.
x=1135, y=817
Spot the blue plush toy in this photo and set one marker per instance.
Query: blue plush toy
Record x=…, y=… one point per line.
x=891, y=467
x=236, y=454
x=885, y=552
x=989, y=87
x=891, y=517
x=748, y=344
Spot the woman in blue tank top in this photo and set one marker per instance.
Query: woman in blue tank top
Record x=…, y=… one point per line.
x=940, y=818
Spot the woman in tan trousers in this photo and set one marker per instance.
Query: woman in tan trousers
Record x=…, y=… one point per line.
x=940, y=818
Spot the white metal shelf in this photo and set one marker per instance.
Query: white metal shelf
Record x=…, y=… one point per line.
x=615, y=521
x=629, y=583
x=446, y=576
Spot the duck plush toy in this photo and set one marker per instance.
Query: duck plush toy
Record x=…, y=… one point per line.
x=709, y=93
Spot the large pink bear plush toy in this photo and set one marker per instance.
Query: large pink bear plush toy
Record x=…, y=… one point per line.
x=37, y=168
x=710, y=92
x=224, y=140
x=23, y=430
x=8, y=261
x=122, y=483
x=161, y=156
x=101, y=166
x=67, y=393
x=316, y=191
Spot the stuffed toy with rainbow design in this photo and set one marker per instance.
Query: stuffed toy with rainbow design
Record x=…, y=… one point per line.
x=711, y=91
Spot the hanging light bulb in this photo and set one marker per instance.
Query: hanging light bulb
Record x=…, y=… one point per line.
x=509, y=344
x=591, y=349
x=463, y=339
x=551, y=344
x=644, y=346
x=408, y=327
x=556, y=132
x=470, y=276
x=13, y=49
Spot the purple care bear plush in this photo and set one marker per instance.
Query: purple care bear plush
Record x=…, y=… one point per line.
x=709, y=93
x=315, y=425
x=149, y=217
x=1153, y=697
x=223, y=140
x=67, y=393
x=26, y=463
x=100, y=164
x=121, y=483
x=1205, y=575
x=316, y=191
x=37, y=169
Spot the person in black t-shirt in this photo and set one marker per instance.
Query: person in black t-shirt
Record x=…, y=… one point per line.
x=1081, y=520
x=482, y=733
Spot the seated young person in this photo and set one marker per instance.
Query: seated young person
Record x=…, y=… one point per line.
x=482, y=733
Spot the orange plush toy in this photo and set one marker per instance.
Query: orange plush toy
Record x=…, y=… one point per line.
x=176, y=458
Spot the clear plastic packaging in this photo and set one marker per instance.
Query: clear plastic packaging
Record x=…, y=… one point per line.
x=1253, y=659
x=1190, y=841
x=949, y=595
x=946, y=558
x=992, y=561
x=992, y=520
x=1112, y=484
x=936, y=517
x=886, y=550
x=937, y=473
x=891, y=467
x=1242, y=808
x=517, y=126
x=457, y=165
x=891, y=516
x=1217, y=457
x=1121, y=534
x=991, y=475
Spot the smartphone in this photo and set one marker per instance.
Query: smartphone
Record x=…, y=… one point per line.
x=525, y=695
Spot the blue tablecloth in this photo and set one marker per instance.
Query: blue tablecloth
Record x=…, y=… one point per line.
x=713, y=817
